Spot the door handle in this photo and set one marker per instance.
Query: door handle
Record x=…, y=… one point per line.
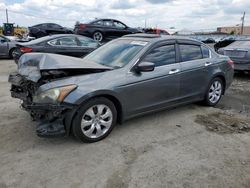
x=174, y=71
x=207, y=64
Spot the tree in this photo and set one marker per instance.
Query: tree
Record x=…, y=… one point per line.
x=232, y=33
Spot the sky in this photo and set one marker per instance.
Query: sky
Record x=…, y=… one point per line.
x=179, y=14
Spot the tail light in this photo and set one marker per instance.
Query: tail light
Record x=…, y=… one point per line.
x=25, y=49
x=231, y=63
x=82, y=26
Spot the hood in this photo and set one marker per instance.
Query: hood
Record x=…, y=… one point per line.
x=30, y=65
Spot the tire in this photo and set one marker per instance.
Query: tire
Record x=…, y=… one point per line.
x=214, y=92
x=94, y=120
x=98, y=36
x=11, y=52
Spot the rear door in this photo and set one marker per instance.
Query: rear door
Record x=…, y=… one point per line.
x=194, y=69
x=150, y=90
x=64, y=46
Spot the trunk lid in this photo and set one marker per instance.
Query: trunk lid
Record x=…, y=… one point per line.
x=238, y=53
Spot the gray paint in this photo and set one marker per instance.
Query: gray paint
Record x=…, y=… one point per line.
x=6, y=46
x=149, y=91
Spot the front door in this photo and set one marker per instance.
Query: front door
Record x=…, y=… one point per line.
x=147, y=91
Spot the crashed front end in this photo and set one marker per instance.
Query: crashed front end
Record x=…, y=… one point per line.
x=47, y=106
x=50, y=115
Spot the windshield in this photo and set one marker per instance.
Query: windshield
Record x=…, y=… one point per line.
x=241, y=44
x=116, y=54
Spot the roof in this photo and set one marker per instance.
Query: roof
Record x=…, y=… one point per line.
x=101, y=19
x=155, y=37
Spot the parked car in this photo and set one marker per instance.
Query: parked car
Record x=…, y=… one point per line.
x=7, y=47
x=65, y=44
x=45, y=29
x=104, y=29
x=127, y=77
x=223, y=43
x=208, y=40
x=239, y=52
x=155, y=31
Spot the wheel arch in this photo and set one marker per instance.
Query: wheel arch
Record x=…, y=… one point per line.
x=222, y=77
x=69, y=117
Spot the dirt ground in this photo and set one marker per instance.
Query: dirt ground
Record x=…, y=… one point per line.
x=190, y=146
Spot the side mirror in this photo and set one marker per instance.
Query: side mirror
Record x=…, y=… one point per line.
x=145, y=67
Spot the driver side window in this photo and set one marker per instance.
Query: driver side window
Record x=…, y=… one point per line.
x=163, y=55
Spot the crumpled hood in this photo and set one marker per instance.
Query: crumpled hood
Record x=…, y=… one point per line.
x=30, y=64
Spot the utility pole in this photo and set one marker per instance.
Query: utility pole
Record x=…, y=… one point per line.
x=242, y=25
x=7, y=17
x=145, y=23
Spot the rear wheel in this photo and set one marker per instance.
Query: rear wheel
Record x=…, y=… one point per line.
x=12, y=52
x=95, y=120
x=98, y=36
x=214, y=92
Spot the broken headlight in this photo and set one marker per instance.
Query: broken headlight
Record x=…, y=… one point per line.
x=54, y=95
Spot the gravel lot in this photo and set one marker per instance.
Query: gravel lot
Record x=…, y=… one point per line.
x=190, y=146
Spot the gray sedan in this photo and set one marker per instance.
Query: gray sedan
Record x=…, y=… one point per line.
x=7, y=47
x=127, y=77
x=239, y=52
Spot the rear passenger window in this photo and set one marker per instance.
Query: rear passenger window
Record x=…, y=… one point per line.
x=205, y=52
x=163, y=55
x=190, y=52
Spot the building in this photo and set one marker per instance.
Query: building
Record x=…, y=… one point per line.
x=234, y=30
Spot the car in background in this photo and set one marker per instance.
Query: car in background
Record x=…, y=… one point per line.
x=127, y=77
x=155, y=31
x=65, y=44
x=239, y=52
x=7, y=47
x=45, y=29
x=104, y=29
x=224, y=42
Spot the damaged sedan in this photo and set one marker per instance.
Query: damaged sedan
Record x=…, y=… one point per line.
x=127, y=77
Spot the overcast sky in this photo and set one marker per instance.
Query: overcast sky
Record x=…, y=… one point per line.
x=181, y=14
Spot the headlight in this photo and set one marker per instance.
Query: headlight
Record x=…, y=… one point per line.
x=54, y=95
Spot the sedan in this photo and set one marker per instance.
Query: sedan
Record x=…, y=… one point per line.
x=239, y=52
x=45, y=29
x=104, y=29
x=7, y=47
x=65, y=44
x=131, y=76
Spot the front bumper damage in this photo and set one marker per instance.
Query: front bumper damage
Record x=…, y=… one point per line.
x=53, y=119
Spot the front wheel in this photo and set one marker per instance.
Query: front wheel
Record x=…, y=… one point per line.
x=94, y=120
x=214, y=92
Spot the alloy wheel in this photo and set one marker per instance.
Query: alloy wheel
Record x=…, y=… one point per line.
x=215, y=92
x=96, y=121
x=98, y=36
